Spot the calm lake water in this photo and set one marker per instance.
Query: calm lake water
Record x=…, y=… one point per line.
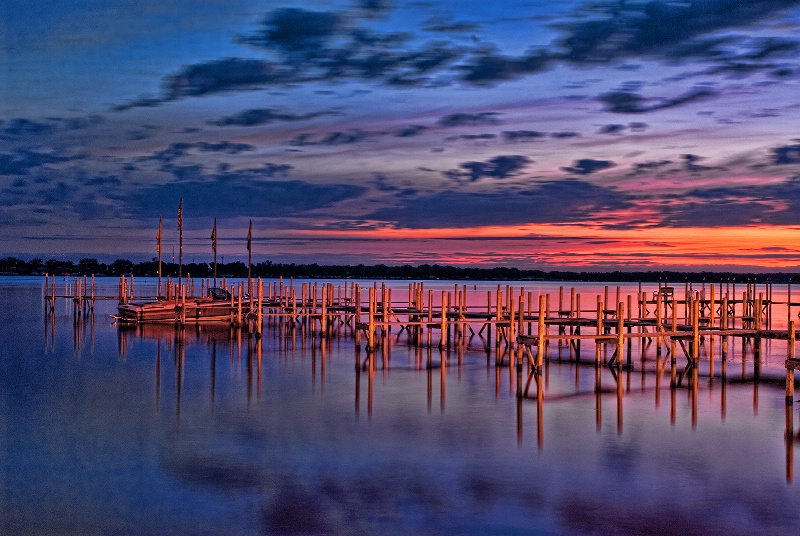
x=107, y=430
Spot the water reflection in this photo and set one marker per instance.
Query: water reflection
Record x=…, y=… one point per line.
x=467, y=439
x=529, y=383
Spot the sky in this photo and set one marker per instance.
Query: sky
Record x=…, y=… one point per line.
x=588, y=135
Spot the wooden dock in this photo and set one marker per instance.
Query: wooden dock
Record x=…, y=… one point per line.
x=524, y=323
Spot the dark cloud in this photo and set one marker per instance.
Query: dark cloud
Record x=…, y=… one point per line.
x=21, y=127
x=262, y=116
x=761, y=54
x=102, y=180
x=716, y=213
x=587, y=166
x=296, y=30
x=247, y=192
x=197, y=172
x=632, y=103
x=499, y=167
x=450, y=27
x=488, y=67
x=649, y=166
x=773, y=46
x=788, y=154
x=141, y=102
x=374, y=5
x=469, y=120
x=325, y=45
x=690, y=163
x=139, y=135
x=382, y=184
x=225, y=75
x=564, y=135
x=180, y=149
x=81, y=123
x=473, y=137
x=333, y=138
x=409, y=131
x=523, y=135
x=772, y=204
x=612, y=129
x=657, y=27
x=301, y=46
x=306, y=46
x=556, y=201
x=22, y=161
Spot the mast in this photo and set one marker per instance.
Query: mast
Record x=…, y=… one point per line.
x=180, y=244
x=158, y=242
x=214, y=247
x=250, y=260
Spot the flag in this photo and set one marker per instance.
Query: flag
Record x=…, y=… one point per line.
x=214, y=237
x=180, y=215
x=250, y=237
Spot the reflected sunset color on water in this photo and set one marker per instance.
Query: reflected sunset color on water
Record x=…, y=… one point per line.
x=212, y=430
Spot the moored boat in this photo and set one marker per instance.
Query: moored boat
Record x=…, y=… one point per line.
x=217, y=306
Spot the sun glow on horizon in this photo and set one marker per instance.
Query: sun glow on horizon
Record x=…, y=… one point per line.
x=768, y=247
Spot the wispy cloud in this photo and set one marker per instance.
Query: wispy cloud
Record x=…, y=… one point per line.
x=263, y=116
x=469, y=119
x=499, y=167
x=587, y=166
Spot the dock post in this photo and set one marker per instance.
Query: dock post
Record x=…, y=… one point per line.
x=712, y=313
x=384, y=307
x=324, y=312
x=260, y=311
x=430, y=316
x=600, y=329
x=183, y=305
x=511, y=334
x=231, y=306
x=520, y=325
x=499, y=316
x=696, y=330
x=240, y=291
x=371, y=332
x=620, y=333
x=541, y=332
x=357, y=315
x=444, y=320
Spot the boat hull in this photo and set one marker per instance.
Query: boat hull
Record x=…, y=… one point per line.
x=162, y=312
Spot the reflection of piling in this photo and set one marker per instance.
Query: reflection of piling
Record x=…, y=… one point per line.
x=709, y=311
x=791, y=365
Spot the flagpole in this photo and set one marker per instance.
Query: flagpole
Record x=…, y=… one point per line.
x=214, y=247
x=180, y=245
x=250, y=262
x=158, y=240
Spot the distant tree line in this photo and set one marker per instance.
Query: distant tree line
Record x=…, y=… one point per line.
x=267, y=269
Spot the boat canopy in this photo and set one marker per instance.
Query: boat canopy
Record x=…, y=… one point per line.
x=218, y=294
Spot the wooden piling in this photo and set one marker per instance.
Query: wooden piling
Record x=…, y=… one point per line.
x=541, y=332
x=444, y=320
